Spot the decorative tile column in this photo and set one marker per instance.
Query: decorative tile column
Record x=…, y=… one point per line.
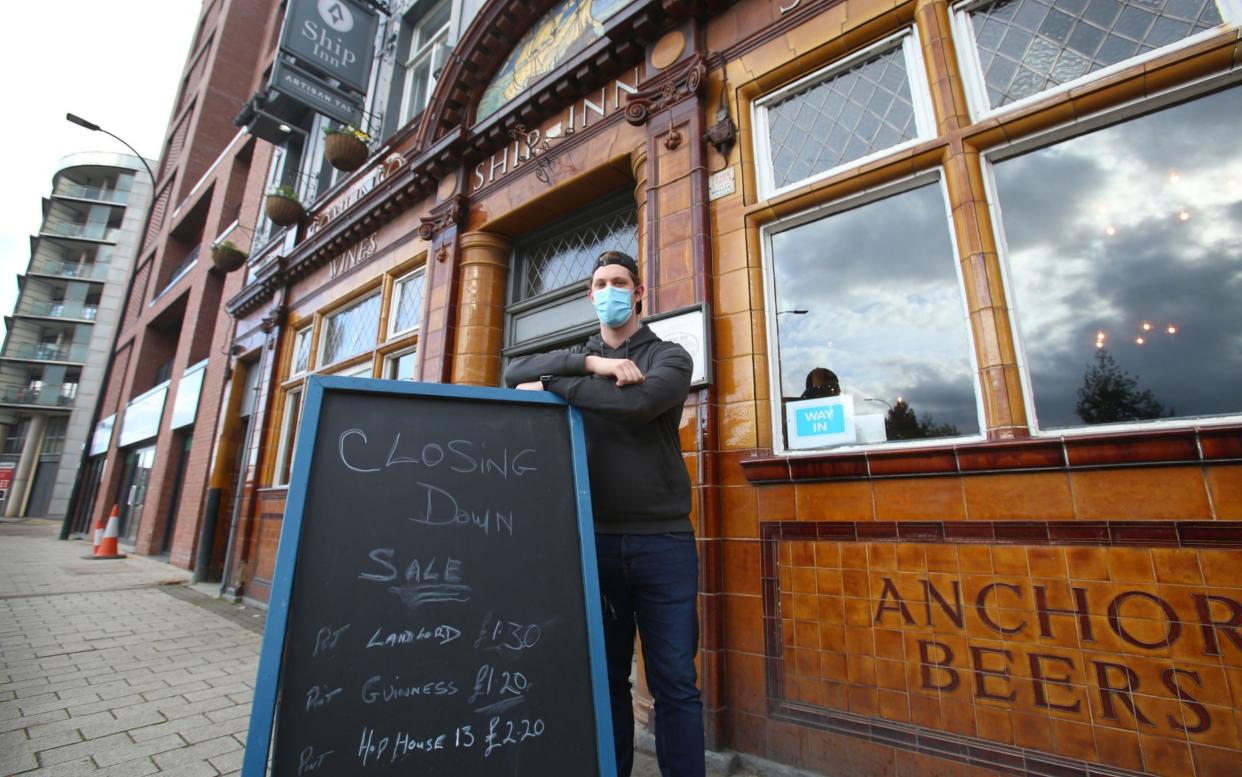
x=484, y=258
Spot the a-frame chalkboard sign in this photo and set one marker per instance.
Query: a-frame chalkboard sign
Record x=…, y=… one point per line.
x=435, y=607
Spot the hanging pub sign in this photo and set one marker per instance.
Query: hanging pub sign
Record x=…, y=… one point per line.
x=290, y=83
x=326, y=48
x=331, y=38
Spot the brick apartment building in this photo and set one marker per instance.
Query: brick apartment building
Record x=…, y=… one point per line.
x=152, y=454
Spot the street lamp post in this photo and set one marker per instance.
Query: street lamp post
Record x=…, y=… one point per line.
x=67, y=525
x=93, y=127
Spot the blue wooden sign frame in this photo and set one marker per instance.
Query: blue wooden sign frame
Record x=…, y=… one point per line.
x=263, y=708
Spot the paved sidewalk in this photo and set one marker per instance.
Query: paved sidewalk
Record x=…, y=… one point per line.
x=111, y=668
x=120, y=669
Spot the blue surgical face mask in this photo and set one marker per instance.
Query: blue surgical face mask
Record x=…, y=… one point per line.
x=614, y=306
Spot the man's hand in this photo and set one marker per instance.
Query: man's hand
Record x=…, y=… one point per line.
x=624, y=371
x=530, y=385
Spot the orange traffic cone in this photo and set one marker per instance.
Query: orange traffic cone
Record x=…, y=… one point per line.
x=106, y=547
x=99, y=527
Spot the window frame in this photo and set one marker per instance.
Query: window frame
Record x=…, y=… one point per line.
x=1118, y=115
x=422, y=50
x=286, y=445
x=908, y=41
x=974, y=83
x=827, y=210
x=395, y=302
x=309, y=331
x=322, y=344
x=391, y=359
x=516, y=306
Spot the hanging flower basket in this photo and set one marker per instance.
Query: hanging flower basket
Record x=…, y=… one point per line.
x=283, y=207
x=227, y=257
x=345, y=148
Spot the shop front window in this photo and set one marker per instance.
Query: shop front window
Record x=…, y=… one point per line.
x=54, y=435
x=350, y=331
x=1024, y=47
x=864, y=106
x=1123, y=251
x=871, y=335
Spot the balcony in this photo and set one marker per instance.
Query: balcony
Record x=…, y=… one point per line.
x=48, y=353
x=61, y=395
x=60, y=310
x=74, y=270
x=82, y=231
x=78, y=191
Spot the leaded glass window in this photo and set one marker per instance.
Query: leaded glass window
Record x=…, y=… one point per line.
x=301, y=351
x=568, y=256
x=548, y=302
x=407, y=303
x=1024, y=47
x=351, y=331
x=853, y=110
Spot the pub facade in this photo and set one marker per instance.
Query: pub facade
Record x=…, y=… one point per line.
x=966, y=455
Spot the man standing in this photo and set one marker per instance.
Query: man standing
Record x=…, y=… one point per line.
x=631, y=386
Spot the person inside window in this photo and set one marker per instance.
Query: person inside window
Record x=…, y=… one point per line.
x=821, y=382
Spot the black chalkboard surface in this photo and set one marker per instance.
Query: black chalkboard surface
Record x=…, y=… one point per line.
x=435, y=608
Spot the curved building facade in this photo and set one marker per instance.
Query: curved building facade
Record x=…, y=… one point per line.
x=59, y=335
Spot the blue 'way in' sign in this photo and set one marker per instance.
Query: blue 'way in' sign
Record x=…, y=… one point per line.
x=820, y=420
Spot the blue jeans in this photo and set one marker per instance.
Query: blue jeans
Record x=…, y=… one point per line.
x=652, y=581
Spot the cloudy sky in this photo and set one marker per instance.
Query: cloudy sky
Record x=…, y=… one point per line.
x=114, y=62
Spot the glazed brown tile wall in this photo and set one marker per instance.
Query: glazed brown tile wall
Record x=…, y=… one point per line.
x=1183, y=446
x=1023, y=647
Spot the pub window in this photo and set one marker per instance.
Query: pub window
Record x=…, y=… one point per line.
x=301, y=351
x=867, y=105
x=1122, y=249
x=288, y=436
x=551, y=268
x=400, y=366
x=362, y=370
x=1022, y=48
x=869, y=323
x=350, y=331
x=427, y=52
x=407, y=304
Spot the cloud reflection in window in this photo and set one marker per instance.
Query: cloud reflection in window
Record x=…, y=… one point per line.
x=1136, y=223
x=885, y=309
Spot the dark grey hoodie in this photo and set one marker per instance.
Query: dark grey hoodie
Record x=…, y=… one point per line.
x=639, y=483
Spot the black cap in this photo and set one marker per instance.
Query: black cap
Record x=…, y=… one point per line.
x=617, y=257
